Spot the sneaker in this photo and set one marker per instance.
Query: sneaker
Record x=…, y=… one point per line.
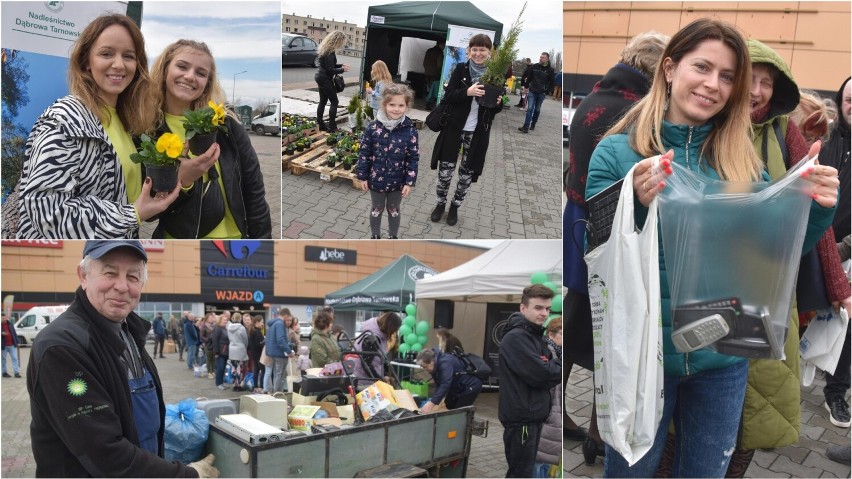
x=532, y=126
x=524, y=129
x=211, y=376
x=839, y=454
x=376, y=237
x=838, y=411
x=6, y=375
x=221, y=387
x=17, y=375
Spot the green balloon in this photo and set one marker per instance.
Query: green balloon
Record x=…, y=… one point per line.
x=422, y=340
x=539, y=277
x=409, y=321
x=410, y=309
x=416, y=347
x=404, y=331
x=556, y=304
x=551, y=286
x=422, y=328
x=404, y=348
x=411, y=338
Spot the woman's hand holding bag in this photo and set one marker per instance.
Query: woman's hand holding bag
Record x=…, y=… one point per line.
x=624, y=290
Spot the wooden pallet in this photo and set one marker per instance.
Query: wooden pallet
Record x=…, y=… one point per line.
x=319, y=142
x=317, y=163
x=314, y=159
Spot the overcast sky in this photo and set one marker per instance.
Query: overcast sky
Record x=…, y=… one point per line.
x=542, y=28
x=243, y=36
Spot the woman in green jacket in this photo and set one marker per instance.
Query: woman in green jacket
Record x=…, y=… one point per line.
x=324, y=349
x=697, y=115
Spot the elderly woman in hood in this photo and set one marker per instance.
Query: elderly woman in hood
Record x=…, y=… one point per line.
x=771, y=414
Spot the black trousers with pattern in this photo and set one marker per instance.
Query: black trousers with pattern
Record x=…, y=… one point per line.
x=445, y=174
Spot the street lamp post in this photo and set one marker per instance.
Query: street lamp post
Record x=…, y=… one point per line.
x=234, y=88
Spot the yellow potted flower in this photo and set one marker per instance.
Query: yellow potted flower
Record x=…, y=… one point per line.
x=202, y=125
x=160, y=159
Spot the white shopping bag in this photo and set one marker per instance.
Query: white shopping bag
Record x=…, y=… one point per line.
x=624, y=289
x=822, y=343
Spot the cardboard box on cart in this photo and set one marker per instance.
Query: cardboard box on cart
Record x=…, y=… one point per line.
x=302, y=417
x=380, y=395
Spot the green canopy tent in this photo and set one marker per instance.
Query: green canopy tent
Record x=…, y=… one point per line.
x=387, y=24
x=388, y=289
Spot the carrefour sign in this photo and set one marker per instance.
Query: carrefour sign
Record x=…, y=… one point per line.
x=238, y=271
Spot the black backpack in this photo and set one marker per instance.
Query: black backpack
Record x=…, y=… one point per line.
x=473, y=365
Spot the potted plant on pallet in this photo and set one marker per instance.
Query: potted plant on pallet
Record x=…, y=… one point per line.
x=290, y=149
x=495, y=68
x=355, y=109
x=349, y=161
x=202, y=125
x=331, y=160
x=160, y=159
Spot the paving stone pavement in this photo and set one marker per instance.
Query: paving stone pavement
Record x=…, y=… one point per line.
x=805, y=459
x=517, y=196
x=486, y=456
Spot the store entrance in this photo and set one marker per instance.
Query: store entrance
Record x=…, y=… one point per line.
x=250, y=308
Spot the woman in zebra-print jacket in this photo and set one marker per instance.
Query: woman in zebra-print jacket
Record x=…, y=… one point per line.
x=223, y=194
x=78, y=180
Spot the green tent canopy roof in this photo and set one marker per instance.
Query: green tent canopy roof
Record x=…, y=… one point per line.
x=431, y=17
x=388, y=289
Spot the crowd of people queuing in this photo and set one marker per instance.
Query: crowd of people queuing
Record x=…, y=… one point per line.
x=726, y=108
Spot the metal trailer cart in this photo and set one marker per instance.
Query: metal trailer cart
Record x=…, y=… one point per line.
x=439, y=443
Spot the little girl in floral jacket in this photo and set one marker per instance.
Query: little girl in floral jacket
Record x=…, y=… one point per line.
x=389, y=154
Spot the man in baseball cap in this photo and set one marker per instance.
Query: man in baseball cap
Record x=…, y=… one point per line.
x=95, y=395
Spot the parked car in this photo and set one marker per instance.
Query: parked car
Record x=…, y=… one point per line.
x=298, y=50
x=305, y=329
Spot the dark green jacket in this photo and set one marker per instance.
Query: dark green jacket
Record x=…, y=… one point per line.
x=771, y=413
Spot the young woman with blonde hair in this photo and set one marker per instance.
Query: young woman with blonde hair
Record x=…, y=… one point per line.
x=697, y=114
x=223, y=194
x=328, y=67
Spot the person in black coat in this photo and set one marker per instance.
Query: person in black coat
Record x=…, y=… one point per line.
x=328, y=67
x=538, y=83
x=222, y=194
x=95, y=395
x=465, y=129
x=623, y=85
x=528, y=371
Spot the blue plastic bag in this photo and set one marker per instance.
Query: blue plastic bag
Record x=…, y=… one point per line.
x=186, y=431
x=248, y=382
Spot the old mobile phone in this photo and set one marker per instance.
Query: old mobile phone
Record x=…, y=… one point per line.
x=754, y=337
x=700, y=333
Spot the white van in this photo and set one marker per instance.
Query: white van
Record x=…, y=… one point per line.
x=269, y=121
x=34, y=320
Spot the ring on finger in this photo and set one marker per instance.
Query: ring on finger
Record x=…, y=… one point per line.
x=645, y=185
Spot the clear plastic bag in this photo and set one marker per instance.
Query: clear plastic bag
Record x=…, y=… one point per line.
x=733, y=249
x=186, y=431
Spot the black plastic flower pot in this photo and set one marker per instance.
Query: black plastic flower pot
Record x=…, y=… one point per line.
x=489, y=99
x=163, y=178
x=199, y=144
